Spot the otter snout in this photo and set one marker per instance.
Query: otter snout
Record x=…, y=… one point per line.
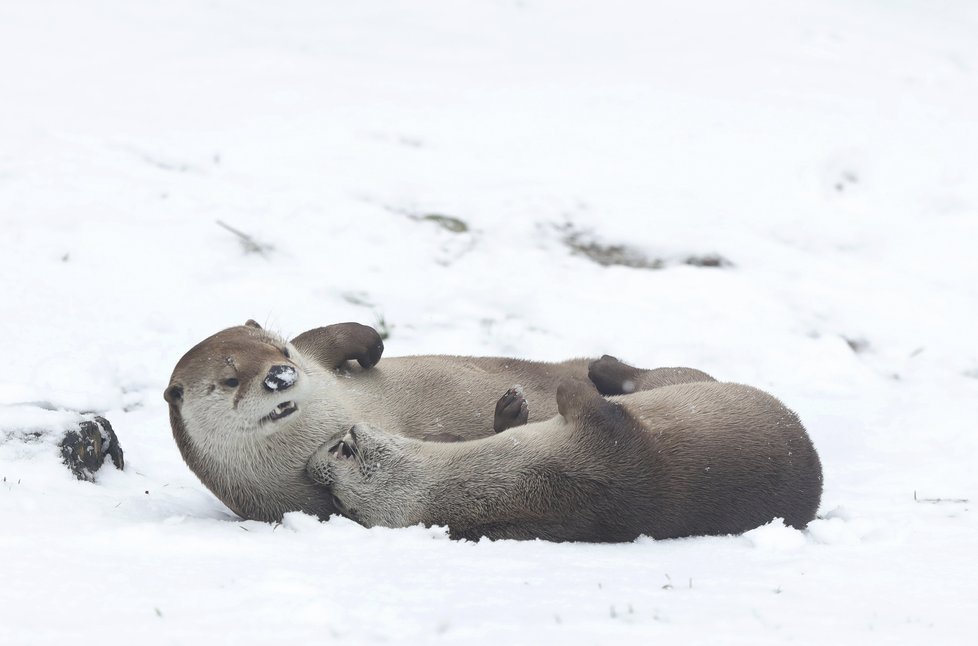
x=280, y=378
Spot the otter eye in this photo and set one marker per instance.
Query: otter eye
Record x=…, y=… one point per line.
x=285, y=351
x=231, y=383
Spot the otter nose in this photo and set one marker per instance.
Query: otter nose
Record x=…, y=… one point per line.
x=280, y=378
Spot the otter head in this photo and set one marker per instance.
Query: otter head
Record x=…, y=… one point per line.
x=241, y=382
x=370, y=474
x=247, y=409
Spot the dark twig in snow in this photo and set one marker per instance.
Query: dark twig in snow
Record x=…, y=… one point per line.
x=935, y=501
x=249, y=244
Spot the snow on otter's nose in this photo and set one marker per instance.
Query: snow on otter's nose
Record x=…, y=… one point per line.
x=280, y=378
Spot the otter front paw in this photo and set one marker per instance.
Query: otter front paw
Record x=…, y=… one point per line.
x=511, y=410
x=320, y=467
x=334, y=345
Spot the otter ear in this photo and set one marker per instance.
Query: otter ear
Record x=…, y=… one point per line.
x=252, y=323
x=174, y=394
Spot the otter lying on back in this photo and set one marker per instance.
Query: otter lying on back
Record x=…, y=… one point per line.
x=249, y=408
x=681, y=460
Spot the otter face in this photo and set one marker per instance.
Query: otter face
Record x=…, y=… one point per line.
x=238, y=382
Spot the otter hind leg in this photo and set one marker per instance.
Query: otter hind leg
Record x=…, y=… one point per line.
x=511, y=410
x=594, y=419
x=614, y=377
x=577, y=397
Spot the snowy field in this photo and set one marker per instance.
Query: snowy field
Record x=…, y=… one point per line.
x=458, y=172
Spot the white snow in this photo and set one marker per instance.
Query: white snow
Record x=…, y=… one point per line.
x=776, y=536
x=829, y=150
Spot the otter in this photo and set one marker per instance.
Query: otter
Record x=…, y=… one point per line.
x=678, y=460
x=248, y=408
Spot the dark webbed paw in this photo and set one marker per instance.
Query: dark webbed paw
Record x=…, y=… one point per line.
x=612, y=377
x=334, y=345
x=511, y=410
x=369, y=346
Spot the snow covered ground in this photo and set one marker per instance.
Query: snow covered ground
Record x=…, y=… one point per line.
x=446, y=168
